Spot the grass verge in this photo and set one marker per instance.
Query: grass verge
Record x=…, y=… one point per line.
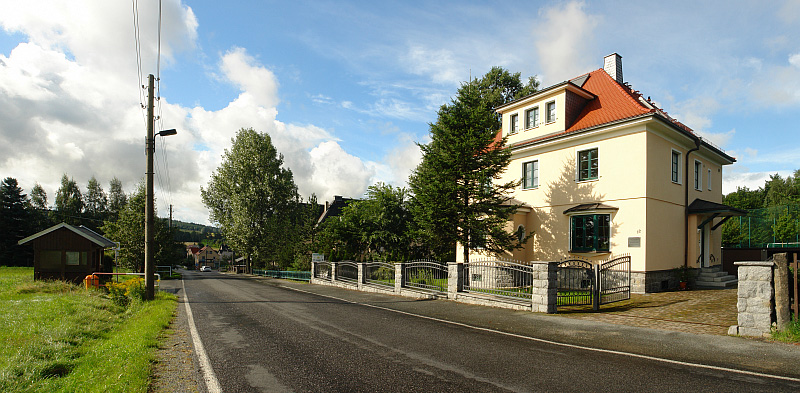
x=790, y=334
x=59, y=337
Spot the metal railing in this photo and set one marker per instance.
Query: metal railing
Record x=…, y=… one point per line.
x=615, y=279
x=322, y=271
x=506, y=279
x=284, y=274
x=379, y=273
x=426, y=275
x=347, y=271
x=576, y=282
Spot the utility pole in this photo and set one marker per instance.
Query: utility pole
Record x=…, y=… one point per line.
x=149, y=247
x=170, y=216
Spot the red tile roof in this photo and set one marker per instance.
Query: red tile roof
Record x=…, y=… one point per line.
x=613, y=102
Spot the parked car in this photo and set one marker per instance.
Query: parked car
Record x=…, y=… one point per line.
x=205, y=268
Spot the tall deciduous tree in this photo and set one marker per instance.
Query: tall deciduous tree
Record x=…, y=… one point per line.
x=95, y=203
x=456, y=193
x=253, y=199
x=128, y=230
x=116, y=198
x=14, y=223
x=40, y=213
x=69, y=202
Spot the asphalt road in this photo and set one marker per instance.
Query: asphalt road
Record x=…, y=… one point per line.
x=262, y=336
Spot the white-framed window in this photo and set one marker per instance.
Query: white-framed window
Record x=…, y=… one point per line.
x=532, y=117
x=550, y=107
x=708, y=179
x=698, y=175
x=675, y=166
x=530, y=174
x=514, y=124
x=588, y=165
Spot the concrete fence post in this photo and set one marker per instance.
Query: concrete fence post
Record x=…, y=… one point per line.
x=333, y=272
x=455, y=279
x=398, y=276
x=755, y=299
x=361, y=279
x=313, y=269
x=544, y=291
x=782, y=314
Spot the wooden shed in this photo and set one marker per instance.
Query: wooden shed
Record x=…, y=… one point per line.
x=66, y=252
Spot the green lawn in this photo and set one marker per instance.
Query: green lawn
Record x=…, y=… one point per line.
x=58, y=337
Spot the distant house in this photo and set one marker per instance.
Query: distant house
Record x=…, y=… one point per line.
x=603, y=170
x=208, y=256
x=334, y=209
x=66, y=252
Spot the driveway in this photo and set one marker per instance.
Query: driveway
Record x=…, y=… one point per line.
x=708, y=311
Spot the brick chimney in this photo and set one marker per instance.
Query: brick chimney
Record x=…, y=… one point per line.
x=612, y=64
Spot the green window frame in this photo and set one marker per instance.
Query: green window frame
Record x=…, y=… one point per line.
x=676, y=166
x=530, y=174
x=590, y=233
x=698, y=173
x=587, y=165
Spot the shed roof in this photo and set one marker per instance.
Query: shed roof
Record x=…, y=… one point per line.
x=82, y=231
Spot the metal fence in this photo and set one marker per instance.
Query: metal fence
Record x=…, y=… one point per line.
x=322, y=271
x=347, y=271
x=576, y=282
x=615, y=279
x=581, y=282
x=379, y=273
x=284, y=274
x=506, y=279
x=426, y=275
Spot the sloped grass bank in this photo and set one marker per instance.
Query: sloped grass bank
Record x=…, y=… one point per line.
x=58, y=337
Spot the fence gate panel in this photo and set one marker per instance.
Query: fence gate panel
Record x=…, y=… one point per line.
x=614, y=277
x=581, y=283
x=576, y=283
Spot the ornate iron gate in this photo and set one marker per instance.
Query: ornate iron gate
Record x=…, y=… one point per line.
x=581, y=282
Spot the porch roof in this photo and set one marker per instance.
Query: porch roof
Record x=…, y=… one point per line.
x=589, y=207
x=700, y=206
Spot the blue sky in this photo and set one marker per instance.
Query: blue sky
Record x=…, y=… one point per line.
x=346, y=88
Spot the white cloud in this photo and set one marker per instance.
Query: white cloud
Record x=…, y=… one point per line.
x=69, y=103
x=563, y=42
x=441, y=65
x=795, y=60
x=751, y=180
x=335, y=172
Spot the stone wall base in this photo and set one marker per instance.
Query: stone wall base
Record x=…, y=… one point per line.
x=655, y=281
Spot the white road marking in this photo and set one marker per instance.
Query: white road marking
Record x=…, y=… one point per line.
x=212, y=383
x=541, y=340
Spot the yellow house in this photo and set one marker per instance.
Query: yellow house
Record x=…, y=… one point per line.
x=604, y=171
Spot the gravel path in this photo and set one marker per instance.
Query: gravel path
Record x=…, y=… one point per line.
x=176, y=369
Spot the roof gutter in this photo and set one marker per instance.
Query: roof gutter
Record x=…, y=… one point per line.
x=697, y=143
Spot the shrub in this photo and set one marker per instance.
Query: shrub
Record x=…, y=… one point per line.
x=122, y=293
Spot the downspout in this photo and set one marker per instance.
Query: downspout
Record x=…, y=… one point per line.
x=697, y=143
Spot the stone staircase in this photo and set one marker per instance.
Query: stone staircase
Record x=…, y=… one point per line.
x=714, y=277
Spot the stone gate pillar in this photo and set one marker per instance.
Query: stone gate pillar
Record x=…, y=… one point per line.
x=755, y=299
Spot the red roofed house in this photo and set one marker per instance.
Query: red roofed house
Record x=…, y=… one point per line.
x=604, y=171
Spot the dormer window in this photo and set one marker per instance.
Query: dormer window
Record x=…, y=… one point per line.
x=532, y=118
x=514, y=124
x=551, y=111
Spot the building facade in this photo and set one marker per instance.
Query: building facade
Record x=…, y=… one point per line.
x=604, y=172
